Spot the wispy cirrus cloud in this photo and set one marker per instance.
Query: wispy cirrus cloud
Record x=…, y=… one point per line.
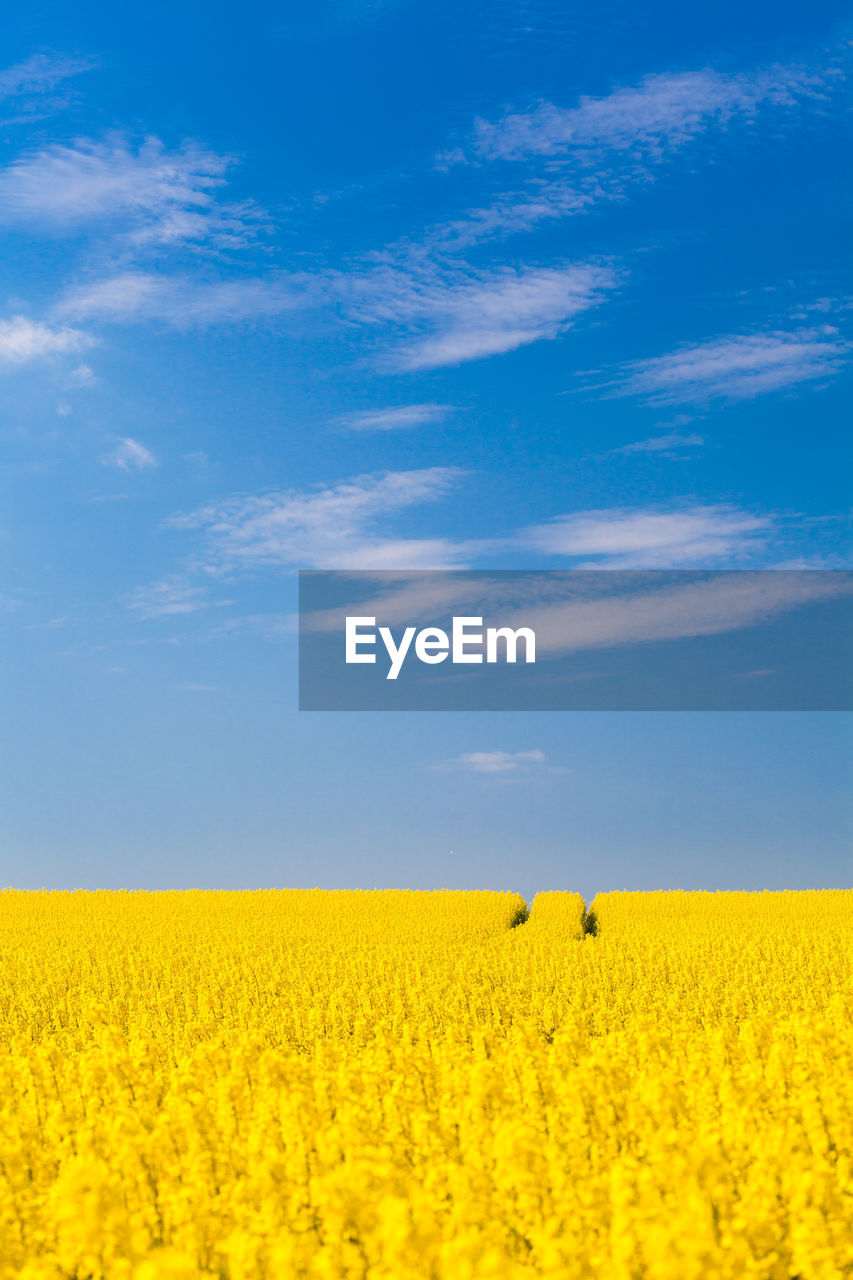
x=22, y=340
x=579, y=612
x=499, y=761
x=354, y=525
x=603, y=148
x=427, y=306
x=40, y=73
x=658, y=115
x=582, y=613
x=148, y=195
x=455, y=315
x=173, y=597
x=130, y=455
x=653, y=538
x=423, y=316
x=738, y=367
x=428, y=310
x=341, y=526
x=184, y=302
x=360, y=526
x=395, y=418
x=669, y=444
x=651, y=610
x=32, y=89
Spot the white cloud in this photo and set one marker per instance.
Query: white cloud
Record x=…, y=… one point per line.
x=152, y=195
x=445, y=311
x=580, y=612
x=40, y=73
x=499, y=761
x=182, y=301
x=450, y=314
x=271, y=626
x=118, y=297
x=602, y=148
x=660, y=114
x=352, y=526
x=651, y=538
x=518, y=211
x=130, y=455
x=397, y=418
x=22, y=340
x=340, y=526
x=169, y=598
x=82, y=375
x=669, y=444
x=402, y=599
x=735, y=368
x=634, y=612
x=459, y=315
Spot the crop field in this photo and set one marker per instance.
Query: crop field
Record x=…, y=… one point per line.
x=404, y=1085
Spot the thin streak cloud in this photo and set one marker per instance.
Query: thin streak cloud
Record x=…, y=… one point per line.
x=739, y=367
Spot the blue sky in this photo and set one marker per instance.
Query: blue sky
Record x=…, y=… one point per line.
x=408, y=286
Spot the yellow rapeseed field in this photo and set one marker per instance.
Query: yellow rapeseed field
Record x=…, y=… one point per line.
x=401, y=1085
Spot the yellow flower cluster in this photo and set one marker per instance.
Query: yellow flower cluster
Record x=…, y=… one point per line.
x=405, y=1086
